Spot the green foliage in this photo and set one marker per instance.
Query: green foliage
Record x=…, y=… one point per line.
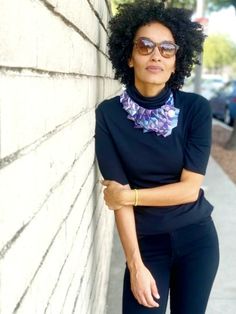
x=187, y=4
x=215, y=5
x=115, y=3
x=219, y=51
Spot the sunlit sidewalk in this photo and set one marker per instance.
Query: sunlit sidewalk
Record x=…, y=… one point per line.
x=221, y=192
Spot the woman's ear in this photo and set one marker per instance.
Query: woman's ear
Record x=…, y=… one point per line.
x=130, y=63
x=174, y=69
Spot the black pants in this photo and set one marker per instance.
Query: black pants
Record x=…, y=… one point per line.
x=183, y=262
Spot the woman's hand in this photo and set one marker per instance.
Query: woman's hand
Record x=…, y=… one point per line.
x=116, y=195
x=144, y=287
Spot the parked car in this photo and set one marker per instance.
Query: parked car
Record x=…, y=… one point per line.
x=210, y=84
x=223, y=103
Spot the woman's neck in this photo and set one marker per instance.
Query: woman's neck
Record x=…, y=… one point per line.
x=149, y=90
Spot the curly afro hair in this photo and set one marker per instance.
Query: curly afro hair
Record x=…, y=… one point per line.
x=131, y=16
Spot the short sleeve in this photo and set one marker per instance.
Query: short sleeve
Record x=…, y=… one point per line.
x=107, y=156
x=198, y=143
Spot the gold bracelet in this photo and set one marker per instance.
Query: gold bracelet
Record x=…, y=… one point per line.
x=136, y=197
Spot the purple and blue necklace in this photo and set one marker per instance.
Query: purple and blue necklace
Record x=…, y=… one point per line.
x=161, y=120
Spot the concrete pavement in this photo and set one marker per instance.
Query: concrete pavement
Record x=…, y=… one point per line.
x=221, y=192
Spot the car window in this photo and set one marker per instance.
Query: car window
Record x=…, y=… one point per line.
x=227, y=89
x=234, y=88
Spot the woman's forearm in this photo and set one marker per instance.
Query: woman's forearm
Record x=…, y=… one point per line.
x=167, y=195
x=126, y=227
x=185, y=191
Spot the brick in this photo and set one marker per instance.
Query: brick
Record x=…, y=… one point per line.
x=62, y=49
x=55, y=232
x=35, y=239
x=88, y=23
x=38, y=173
x=40, y=104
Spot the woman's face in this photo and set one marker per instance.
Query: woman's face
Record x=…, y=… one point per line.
x=152, y=71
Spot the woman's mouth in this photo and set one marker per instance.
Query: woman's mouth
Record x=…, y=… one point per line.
x=154, y=69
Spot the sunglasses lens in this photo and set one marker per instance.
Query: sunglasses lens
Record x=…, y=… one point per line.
x=167, y=50
x=145, y=46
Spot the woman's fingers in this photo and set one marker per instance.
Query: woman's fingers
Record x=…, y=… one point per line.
x=154, y=290
x=144, y=288
x=111, y=198
x=145, y=297
x=147, y=300
x=144, y=302
x=105, y=182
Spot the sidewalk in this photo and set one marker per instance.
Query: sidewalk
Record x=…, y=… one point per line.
x=221, y=192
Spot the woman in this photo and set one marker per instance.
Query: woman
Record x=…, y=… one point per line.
x=152, y=145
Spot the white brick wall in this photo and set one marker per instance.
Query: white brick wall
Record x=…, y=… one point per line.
x=55, y=234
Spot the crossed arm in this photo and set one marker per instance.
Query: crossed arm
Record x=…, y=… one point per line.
x=185, y=191
x=121, y=198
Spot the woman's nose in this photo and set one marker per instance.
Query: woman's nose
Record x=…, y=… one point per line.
x=156, y=56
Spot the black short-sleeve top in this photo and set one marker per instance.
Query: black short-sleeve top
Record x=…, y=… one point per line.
x=143, y=160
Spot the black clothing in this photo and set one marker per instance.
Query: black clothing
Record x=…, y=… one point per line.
x=145, y=160
x=184, y=261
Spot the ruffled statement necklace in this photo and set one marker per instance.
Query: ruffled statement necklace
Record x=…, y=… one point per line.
x=161, y=120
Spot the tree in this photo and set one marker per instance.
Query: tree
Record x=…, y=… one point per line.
x=212, y=5
x=219, y=51
x=115, y=3
x=216, y=5
x=187, y=4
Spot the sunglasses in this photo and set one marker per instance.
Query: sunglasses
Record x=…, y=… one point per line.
x=146, y=46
